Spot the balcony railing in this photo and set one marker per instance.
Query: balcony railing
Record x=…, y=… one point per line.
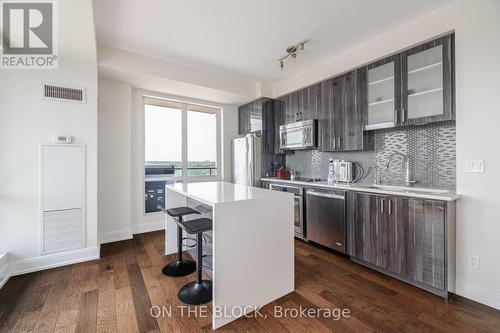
x=197, y=171
x=193, y=171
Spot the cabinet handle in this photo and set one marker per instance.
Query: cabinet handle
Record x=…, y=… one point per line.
x=390, y=207
x=340, y=142
x=334, y=143
x=403, y=111
x=250, y=127
x=382, y=201
x=396, y=118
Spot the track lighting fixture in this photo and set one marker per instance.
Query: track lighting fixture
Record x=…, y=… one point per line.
x=292, y=52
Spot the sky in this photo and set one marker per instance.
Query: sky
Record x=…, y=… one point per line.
x=163, y=137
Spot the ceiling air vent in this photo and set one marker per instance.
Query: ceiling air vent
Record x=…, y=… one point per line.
x=60, y=93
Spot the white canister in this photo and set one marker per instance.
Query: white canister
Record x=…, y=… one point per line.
x=330, y=170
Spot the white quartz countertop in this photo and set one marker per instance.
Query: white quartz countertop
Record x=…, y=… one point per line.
x=388, y=190
x=212, y=193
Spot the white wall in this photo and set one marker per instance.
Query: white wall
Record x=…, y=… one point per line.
x=26, y=121
x=229, y=132
x=477, y=36
x=121, y=158
x=114, y=138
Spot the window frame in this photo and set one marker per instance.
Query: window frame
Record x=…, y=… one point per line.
x=184, y=178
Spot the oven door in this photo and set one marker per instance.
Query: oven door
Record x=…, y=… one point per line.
x=298, y=222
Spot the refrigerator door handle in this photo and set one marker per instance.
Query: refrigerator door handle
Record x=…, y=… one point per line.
x=249, y=154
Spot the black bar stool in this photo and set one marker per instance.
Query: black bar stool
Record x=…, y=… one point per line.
x=199, y=291
x=180, y=267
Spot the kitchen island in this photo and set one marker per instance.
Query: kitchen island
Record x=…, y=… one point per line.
x=252, y=243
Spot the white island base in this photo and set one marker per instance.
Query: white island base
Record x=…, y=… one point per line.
x=253, y=244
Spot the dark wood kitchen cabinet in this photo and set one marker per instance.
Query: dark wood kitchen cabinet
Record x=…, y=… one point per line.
x=404, y=237
x=368, y=226
x=268, y=127
x=244, y=119
x=279, y=119
x=300, y=105
x=418, y=241
x=414, y=87
x=250, y=116
x=428, y=82
x=330, y=129
x=382, y=96
x=341, y=120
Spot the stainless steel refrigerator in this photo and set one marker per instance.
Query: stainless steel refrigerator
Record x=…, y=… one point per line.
x=247, y=160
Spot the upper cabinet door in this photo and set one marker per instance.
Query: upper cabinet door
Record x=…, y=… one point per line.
x=256, y=115
x=330, y=120
x=244, y=119
x=428, y=82
x=384, y=92
x=250, y=116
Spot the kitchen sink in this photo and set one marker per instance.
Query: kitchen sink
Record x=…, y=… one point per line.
x=407, y=189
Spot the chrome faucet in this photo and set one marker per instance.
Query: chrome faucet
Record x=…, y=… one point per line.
x=408, y=180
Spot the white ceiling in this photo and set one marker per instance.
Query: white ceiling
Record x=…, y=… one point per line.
x=244, y=38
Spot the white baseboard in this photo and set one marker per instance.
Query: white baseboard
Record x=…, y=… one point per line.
x=115, y=236
x=119, y=235
x=148, y=227
x=40, y=263
x=478, y=293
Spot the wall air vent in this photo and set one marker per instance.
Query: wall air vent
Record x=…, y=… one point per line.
x=63, y=93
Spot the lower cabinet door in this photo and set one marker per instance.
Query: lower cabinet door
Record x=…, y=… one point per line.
x=367, y=225
x=404, y=236
x=417, y=241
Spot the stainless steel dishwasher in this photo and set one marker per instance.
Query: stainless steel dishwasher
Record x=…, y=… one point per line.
x=325, y=211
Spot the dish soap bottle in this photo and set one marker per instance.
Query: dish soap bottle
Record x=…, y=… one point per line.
x=330, y=170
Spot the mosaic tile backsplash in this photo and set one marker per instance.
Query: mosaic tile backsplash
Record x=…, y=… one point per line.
x=431, y=149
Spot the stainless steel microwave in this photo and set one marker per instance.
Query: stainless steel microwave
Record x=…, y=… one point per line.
x=299, y=135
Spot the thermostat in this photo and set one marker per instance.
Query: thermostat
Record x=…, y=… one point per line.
x=63, y=139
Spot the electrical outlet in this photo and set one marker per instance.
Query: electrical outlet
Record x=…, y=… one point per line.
x=474, y=261
x=474, y=166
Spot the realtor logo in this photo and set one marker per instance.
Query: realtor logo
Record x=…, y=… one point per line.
x=28, y=34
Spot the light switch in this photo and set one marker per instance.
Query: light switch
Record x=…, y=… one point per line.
x=474, y=166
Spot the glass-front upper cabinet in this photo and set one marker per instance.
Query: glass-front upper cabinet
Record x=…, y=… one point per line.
x=428, y=82
x=384, y=97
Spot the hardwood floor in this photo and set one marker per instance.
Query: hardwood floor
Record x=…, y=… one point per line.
x=116, y=293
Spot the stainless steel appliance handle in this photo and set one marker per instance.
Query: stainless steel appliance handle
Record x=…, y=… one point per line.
x=390, y=207
x=326, y=195
x=282, y=139
x=283, y=186
x=272, y=186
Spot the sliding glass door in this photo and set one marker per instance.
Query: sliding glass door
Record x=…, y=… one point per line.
x=201, y=142
x=181, y=144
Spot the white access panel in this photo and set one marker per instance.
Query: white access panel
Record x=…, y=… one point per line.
x=63, y=230
x=63, y=176
x=62, y=197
